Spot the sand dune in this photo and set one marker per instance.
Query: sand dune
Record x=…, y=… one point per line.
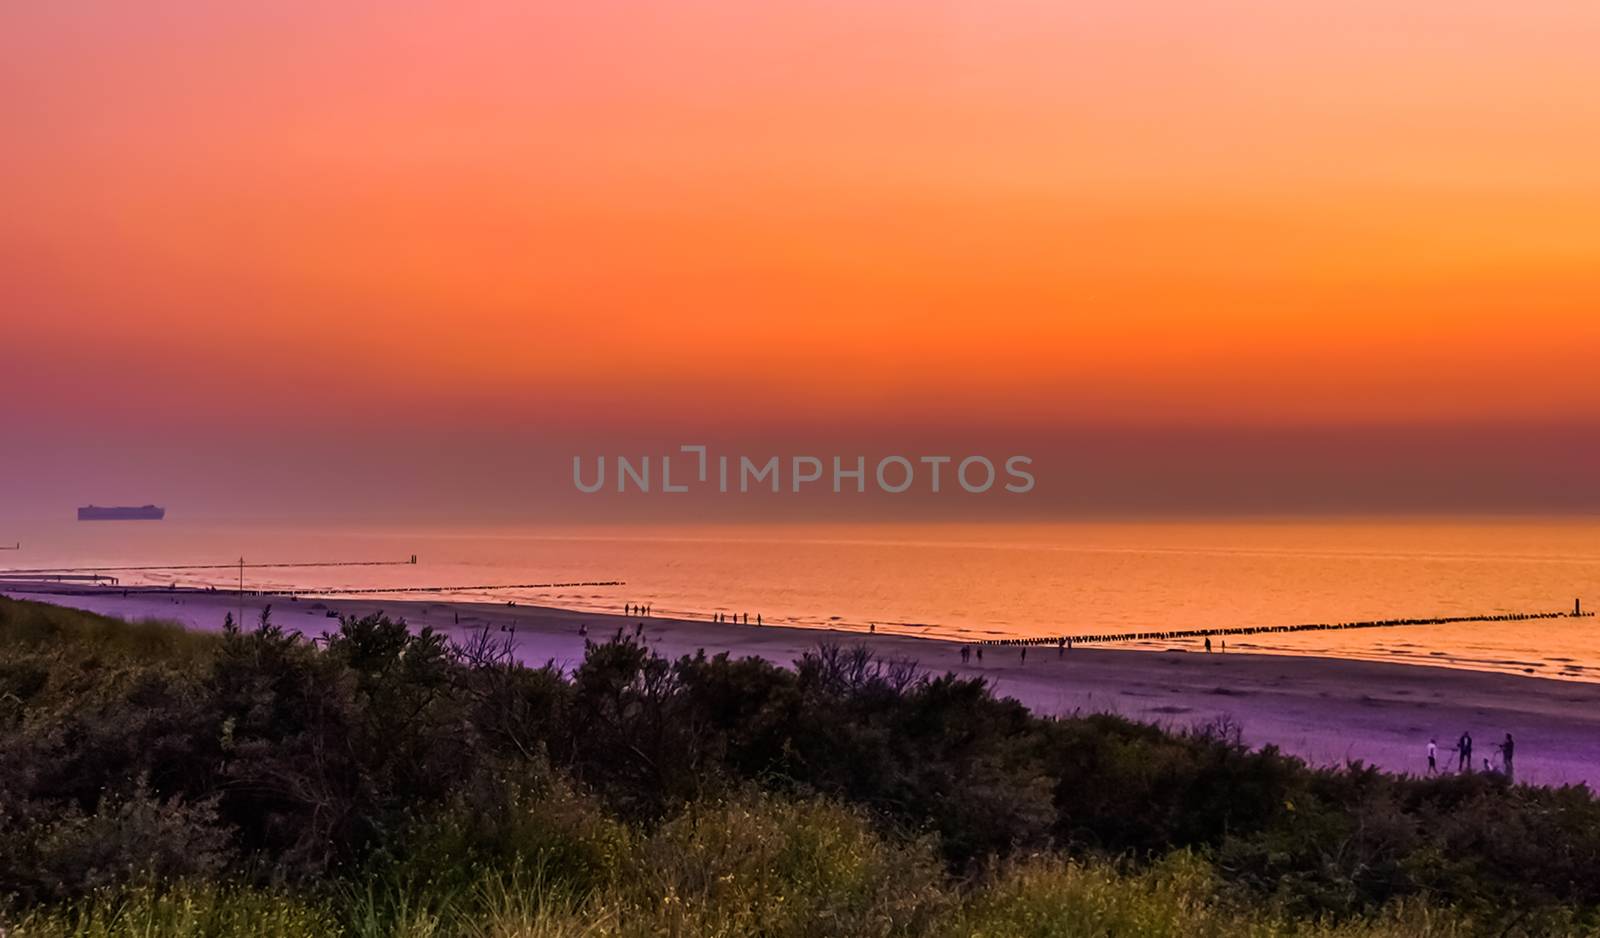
x=1324, y=710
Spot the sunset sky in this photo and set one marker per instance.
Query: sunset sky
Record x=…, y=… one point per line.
x=1351, y=246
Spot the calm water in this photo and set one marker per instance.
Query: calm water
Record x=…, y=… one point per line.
x=964, y=581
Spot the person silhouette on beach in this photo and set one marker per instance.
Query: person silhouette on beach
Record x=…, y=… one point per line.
x=1208, y=646
x=1508, y=751
x=966, y=653
x=1433, y=756
x=1024, y=658
x=1464, y=752
x=980, y=654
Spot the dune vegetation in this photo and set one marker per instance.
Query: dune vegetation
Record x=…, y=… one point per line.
x=379, y=781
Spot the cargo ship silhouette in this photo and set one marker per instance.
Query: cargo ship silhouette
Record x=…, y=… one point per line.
x=143, y=513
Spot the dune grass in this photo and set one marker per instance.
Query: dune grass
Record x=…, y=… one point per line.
x=754, y=866
x=196, y=910
x=28, y=625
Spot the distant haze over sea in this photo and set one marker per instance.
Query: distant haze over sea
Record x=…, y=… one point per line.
x=478, y=474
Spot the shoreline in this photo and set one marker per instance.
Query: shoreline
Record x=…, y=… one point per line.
x=1324, y=710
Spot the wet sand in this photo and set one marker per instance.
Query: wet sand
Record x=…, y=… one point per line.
x=1324, y=710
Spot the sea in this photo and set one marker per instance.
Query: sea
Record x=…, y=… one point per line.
x=952, y=581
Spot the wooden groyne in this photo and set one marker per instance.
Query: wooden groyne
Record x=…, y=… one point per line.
x=50, y=585
x=480, y=588
x=236, y=565
x=1170, y=635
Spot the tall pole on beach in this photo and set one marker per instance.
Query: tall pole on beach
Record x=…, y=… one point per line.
x=241, y=593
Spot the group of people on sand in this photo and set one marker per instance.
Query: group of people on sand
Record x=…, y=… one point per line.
x=1507, y=756
x=724, y=618
x=732, y=618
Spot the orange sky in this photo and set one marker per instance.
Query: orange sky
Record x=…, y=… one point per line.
x=1023, y=211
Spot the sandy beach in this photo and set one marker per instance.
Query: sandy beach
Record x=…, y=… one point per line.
x=1324, y=710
